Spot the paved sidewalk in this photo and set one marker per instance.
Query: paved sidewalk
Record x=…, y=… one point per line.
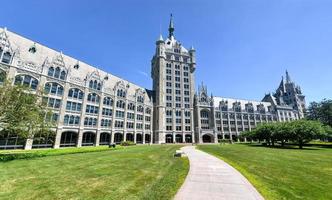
x=210, y=178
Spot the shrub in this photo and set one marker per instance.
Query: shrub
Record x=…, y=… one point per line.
x=127, y=143
x=224, y=141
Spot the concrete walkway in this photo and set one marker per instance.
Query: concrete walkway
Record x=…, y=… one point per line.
x=210, y=178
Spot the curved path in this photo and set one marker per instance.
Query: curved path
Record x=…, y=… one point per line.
x=211, y=178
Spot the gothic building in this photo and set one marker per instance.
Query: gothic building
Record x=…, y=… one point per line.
x=93, y=107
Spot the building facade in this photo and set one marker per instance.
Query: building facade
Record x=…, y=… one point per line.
x=92, y=107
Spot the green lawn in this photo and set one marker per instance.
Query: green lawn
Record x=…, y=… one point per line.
x=281, y=173
x=137, y=172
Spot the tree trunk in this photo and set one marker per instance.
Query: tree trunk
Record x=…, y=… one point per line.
x=300, y=144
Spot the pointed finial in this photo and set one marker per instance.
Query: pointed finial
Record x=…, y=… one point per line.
x=288, y=80
x=171, y=27
x=161, y=38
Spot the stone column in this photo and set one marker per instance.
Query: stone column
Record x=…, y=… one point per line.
x=97, y=138
x=79, y=138
x=112, y=137
x=143, y=136
x=57, y=139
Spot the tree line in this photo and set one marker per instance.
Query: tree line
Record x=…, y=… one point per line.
x=298, y=131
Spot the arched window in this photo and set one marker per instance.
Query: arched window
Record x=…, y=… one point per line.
x=205, y=124
x=99, y=86
x=50, y=71
x=108, y=101
x=75, y=93
x=57, y=72
x=204, y=114
x=91, y=84
x=6, y=58
x=27, y=81
x=63, y=75
x=131, y=106
x=140, y=99
x=71, y=120
x=120, y=104
x=95, y=85
x=140, y=109
x=148, y=111
x=53, y=88
x=93, y=97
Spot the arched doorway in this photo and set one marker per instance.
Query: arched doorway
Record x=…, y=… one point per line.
x=130, y=137
x=68, y=139
x=188, y=138
x=178, y=138
x=118, y=138
x=139, y=138
x=169, y=138
x=147, y=138
x=105, y=139
x=207, y=138
x=234, y=137
x=219, y=137
x=88, y=139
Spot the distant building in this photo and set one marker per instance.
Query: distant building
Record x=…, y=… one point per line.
x=93, y=107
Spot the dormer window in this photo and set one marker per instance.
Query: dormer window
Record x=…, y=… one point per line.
x=76, y=66
x=106, y=78
x=94, y=85
x=140, y=99
x=121, y=93
x=6, y=57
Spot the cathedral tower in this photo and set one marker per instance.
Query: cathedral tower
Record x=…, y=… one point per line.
x=172, y=71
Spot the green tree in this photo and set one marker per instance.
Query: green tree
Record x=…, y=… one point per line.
x=303, y=131
x=321, y=111
x=21, y=111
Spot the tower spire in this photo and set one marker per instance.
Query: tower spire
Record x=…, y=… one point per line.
x=171, y=27
x=288, y=80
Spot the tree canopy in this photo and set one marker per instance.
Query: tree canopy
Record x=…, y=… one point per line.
x=21, y=111
x=321, y=111
x=299, y=131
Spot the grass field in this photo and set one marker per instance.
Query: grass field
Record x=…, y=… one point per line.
x=138, y=172
x=281, y=173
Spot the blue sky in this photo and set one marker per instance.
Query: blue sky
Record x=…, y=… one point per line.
x=243, y=46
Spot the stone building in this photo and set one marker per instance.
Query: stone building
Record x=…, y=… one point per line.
x=173, y=74
x=93, y=107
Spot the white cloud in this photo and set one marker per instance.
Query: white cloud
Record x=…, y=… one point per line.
x=143, y=73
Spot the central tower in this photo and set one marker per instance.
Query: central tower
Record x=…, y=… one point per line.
x=172, y=71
